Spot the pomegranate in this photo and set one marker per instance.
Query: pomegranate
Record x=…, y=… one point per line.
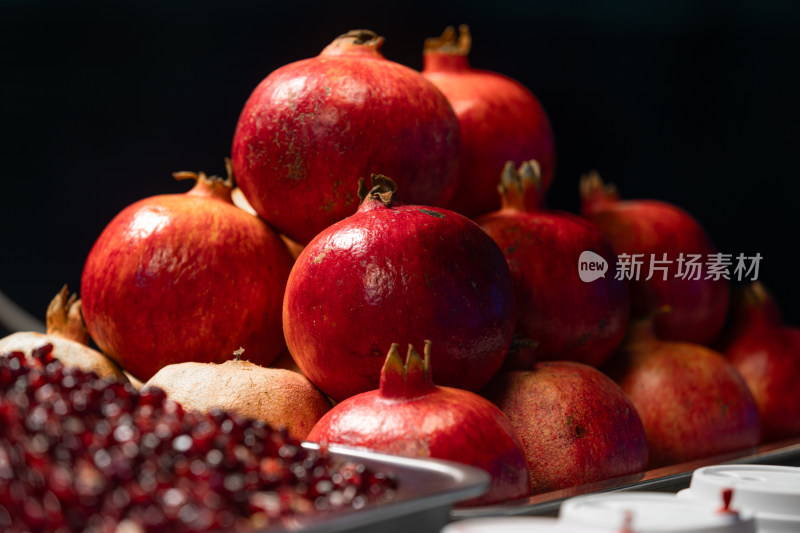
x=570, y=319
x=674, y=251
x=766, y=352
x=79, y=453
x=576, y=425
x=398, y=271
x=311, y=128
x=67, y=334
x=410, y=416
x=185, y=277
x=281, y=398
x=693, y=403
x=500, y=120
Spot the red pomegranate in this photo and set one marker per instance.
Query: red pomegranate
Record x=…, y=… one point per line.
x=411, y=417
x=693, y=403
x=500, y=120
x=576, y=425
x=185, y=277
x=661, y=235
x=569, y=318
x=398, y=271
x=312, y=128
x=766, y=352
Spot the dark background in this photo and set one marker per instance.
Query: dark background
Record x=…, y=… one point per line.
x=693, y=102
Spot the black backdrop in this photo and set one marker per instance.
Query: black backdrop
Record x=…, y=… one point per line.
x=689, y=102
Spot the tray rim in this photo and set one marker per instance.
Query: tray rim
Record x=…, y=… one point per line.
x=667, y=479
x=459, y=482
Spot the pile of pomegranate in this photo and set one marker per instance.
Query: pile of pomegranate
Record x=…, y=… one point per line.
x=368, y=208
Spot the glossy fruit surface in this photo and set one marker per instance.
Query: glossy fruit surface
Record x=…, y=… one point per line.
x=500, y=120
x=766, y=352
x=410, y=416
x=185, y=277
x=665, y=237
x=398, y=271
x=576, y=425
x=568, y=318
x=692, y=401
x=312, y=128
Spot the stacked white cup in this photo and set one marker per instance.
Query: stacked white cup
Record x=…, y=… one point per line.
x=621, y=512
x=770, y=493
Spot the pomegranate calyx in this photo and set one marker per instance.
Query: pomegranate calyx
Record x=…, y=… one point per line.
x=449, y=42
x=383, y=189
x=521, y=354
x=64, y=317
x=410, y=380
x=644, y=328
x=447, y=53
x=356, y=43
x=754, y=308
x=521, y=189
x=208, y=186
x=595, y=194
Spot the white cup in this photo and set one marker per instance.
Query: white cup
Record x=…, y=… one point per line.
x=518, y=524
x=652, y=512
x=770, y=493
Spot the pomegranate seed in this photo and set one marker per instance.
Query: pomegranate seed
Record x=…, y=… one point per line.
x=80, y=452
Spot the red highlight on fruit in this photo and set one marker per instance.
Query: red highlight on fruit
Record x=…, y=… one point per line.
x=398, y=272
x=570, y=319
x=658, y=229
x=312, y=128
x=411, y=417
x=185, y=277
x=766, y=352
x=576, y=425
x=500, y=120
x=692, y=401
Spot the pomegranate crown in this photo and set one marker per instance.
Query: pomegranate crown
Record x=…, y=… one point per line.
x=383, y=189
x=365, y=43
x=214, y=186
x=410, y=380
x=752, y=304
x=521, y=189
x=64, y=317
x=643, y=328
x=595, y=194
x=449, y=42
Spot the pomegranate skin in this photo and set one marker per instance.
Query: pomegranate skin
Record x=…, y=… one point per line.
x=185, y=277
x=500, y=120
x=403, y=272
x=568, y=318
x=576, y=425
x=654, y=228
x=409, y=416
x=766, y=352
x=312, y=128
x=692, y=401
